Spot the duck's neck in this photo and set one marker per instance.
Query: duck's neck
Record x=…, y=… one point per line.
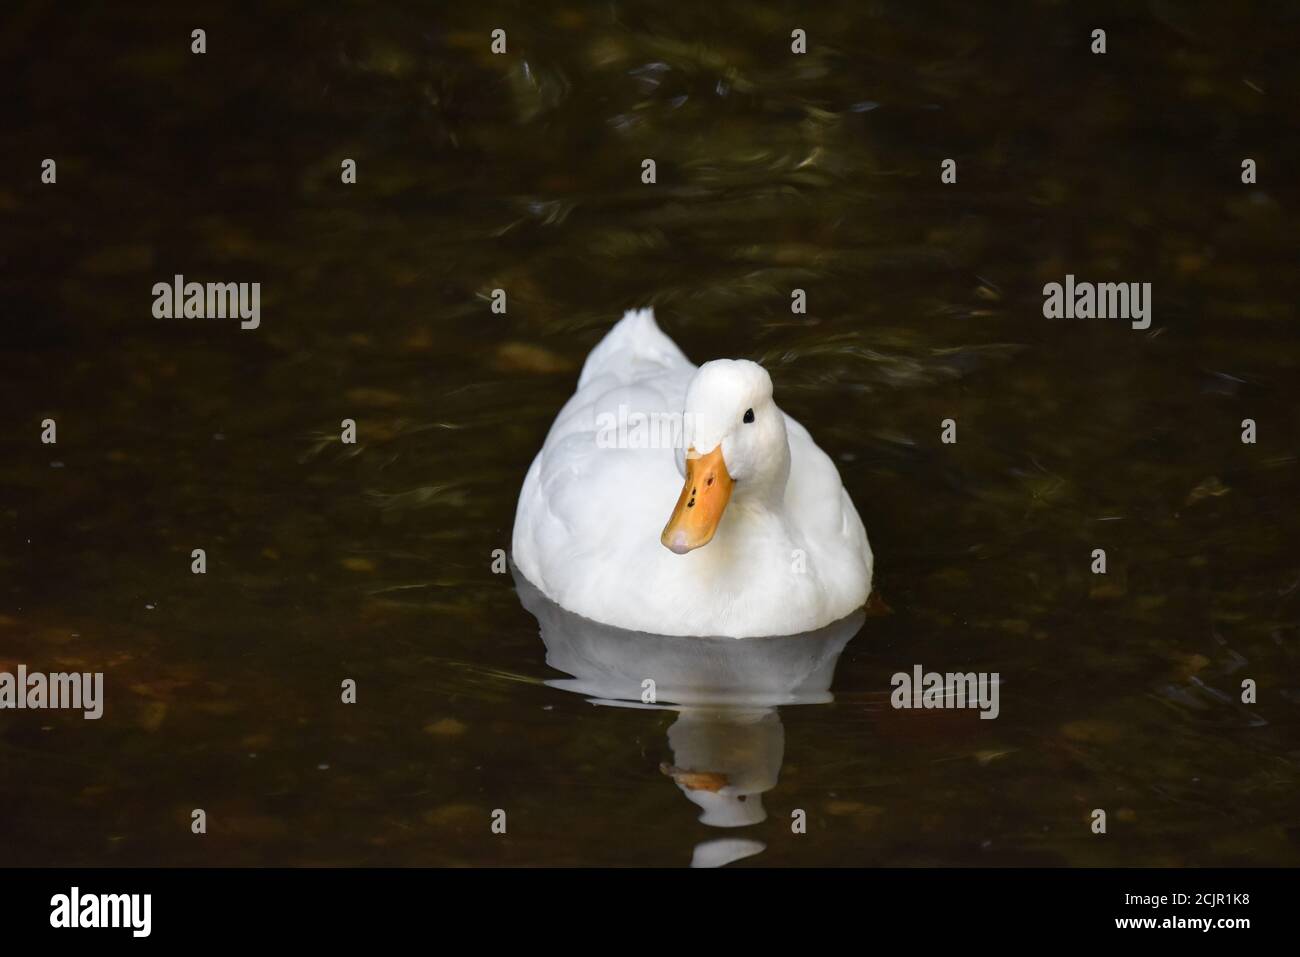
x=754, y=521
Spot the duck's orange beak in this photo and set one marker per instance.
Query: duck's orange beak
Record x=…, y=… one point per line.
x=700, y=506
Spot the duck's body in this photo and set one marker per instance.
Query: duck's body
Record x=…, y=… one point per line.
x=790, y=553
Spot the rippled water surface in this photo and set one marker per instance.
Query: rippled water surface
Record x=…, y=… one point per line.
x=522, y=172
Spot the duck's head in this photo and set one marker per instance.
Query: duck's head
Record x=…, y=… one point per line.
x=734, y=445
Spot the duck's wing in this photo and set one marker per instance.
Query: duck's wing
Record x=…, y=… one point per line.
x=826, y=516
x=605, y=476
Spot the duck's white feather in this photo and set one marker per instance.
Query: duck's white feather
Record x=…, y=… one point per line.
x=590, y=516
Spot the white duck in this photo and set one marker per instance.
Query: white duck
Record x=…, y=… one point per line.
x=786, y=552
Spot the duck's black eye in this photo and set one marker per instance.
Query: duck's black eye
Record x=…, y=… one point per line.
x=749, y=415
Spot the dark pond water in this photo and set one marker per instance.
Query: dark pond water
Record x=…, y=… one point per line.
x=522, y=171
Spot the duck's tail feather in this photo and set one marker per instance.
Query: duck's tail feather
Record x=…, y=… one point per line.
x=634, y=341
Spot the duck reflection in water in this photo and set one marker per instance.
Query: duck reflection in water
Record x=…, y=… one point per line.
x=727, y=742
